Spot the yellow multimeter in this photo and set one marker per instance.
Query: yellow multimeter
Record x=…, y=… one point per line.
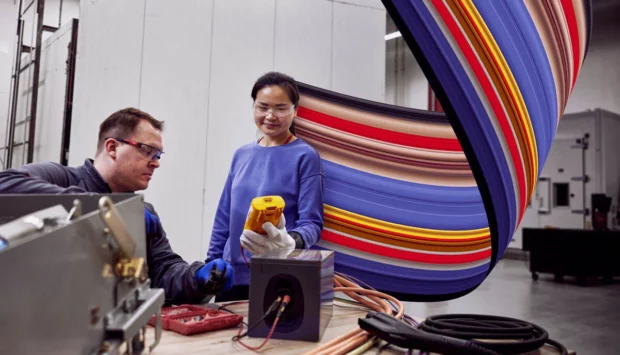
x=264, y=209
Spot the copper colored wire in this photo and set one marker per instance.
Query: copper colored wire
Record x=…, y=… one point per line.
x=376, y=299
x=323, y=348
x=351, y=344
x=376, y=305
x=355, y=338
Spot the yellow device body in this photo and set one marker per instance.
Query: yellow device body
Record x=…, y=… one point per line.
x=264, y=209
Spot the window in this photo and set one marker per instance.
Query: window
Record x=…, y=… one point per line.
x=560, y=194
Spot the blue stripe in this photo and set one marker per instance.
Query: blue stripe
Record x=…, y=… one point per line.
x=406, y=280
x=512, y=44
x=471, y=114
x=543, y=71
x=406, y=203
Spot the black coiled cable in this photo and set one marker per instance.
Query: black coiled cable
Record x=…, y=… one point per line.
x=507, y=335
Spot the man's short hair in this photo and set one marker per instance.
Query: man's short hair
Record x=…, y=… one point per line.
x=121, y=124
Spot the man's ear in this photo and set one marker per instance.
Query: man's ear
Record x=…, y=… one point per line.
x=110, y=147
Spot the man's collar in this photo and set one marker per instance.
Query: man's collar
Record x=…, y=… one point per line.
x=95, y=180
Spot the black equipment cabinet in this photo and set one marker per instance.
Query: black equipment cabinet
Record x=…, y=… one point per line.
x=573, y=252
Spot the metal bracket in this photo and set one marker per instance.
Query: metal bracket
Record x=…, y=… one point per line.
x=75, y=212
x=127, y=321
x=581, y=143
x=32, y=223
x=129, y=269
x=117, y=227
x=584, y=178
x=584, y=212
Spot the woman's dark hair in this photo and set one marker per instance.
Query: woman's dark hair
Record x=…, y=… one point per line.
x=285, y=82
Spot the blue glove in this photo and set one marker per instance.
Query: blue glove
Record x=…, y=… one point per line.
x=152, y=222
x=215, y=276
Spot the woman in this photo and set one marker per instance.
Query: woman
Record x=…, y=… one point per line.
x=276, y=164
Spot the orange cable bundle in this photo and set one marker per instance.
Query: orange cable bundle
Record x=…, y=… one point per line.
x=357, y=337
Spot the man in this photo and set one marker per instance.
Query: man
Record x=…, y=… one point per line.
x=129, y=149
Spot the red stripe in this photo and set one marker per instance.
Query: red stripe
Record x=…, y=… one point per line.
x=410, y=140
x=513, y=96
x=463, y=168
x=367, y=227
x=402, y=254
x=557, y=34
x=487, y=87
x=573, y=30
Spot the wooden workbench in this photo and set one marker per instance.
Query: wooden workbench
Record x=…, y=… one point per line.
x=219, y=342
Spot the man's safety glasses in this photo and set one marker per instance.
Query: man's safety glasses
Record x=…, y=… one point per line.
x=147, y=150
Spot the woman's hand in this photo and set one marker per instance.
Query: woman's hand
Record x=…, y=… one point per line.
x=276, y=238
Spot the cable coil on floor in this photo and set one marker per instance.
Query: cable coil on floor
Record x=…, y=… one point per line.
x=505, y=335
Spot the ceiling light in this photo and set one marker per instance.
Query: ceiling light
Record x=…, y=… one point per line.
x=392, y=35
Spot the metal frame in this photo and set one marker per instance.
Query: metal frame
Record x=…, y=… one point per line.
x=31, y=120
x=15, y=90
x=78, y=237
x=68, y=114
x=35, y=80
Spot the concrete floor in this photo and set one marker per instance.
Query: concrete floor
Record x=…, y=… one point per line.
x=584, y=319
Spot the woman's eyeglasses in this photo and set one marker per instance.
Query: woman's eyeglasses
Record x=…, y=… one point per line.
x=263, y=110
x=148, y=150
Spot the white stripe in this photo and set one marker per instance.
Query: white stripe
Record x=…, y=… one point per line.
x=398, y=262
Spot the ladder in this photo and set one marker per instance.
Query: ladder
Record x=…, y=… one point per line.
x=30, y=121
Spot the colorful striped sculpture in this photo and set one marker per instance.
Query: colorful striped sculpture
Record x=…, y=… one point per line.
x=424, y=204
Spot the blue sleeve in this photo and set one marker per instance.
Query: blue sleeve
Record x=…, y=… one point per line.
x=309, y=223
x=220, y=232
x=43, y=178
x=169, y=271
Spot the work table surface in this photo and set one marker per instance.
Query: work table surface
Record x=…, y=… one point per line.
x=219, y=342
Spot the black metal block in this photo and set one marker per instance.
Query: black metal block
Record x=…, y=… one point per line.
x=305, y=275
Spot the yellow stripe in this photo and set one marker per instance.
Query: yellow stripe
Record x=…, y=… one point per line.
x=411, y=242
x=402, y=229
x=531, y=149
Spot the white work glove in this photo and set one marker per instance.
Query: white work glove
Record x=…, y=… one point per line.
x=276, y=238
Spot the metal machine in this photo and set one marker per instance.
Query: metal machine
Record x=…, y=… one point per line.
x=582, y=163
x=74, y=275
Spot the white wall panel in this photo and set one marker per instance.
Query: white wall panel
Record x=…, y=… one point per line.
x=22, y=112
x=375, y=4
x=303, y=42
x=406, y=84
x=51, y=17
x=8, y=23
x=611, y=163
x=107, y=70
x=359, y=51
x=598, y=84
x=51, y=99
x=392, y=79
x=416, y=93
x=242, y=50
x=175, y=88
x=4, y=106
x=51, y=102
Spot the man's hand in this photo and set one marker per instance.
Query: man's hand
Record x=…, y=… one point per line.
x=215, y=276
x=276, y=238
x=151, y=221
